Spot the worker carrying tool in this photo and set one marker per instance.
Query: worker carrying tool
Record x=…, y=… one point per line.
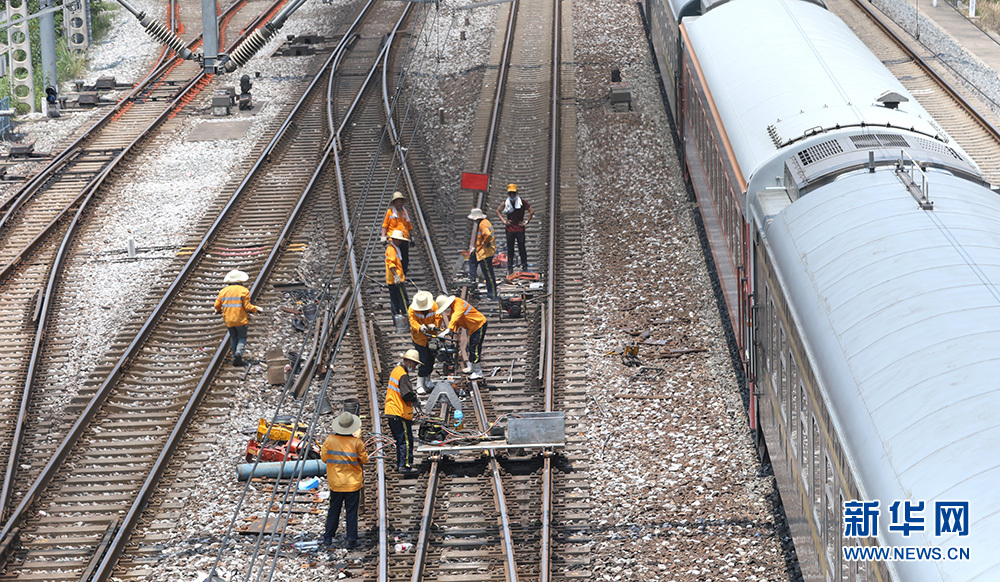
x=425, y=323
x=511, y=211
x=395, y=274
x=234, y=304
x=344, y=454
x=397, y=218
x=458, y=313
x=400, y=400
x=481, y=254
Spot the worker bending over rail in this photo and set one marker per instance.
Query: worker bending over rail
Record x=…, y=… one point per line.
x=397, y=218
x=344, y=454
x=234, y=304
x=424, y=323
x=400, y=399
x=481, y=254
x=459, y=314
x=395, y=274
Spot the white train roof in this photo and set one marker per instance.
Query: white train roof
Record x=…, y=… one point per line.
x=803, y=72
x=900, y=308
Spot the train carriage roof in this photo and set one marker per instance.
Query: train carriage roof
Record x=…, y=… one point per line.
x=807, y=73
x=900, y=309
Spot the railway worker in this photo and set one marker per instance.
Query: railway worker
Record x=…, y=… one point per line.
x=344, y=454
x=481, y=254
x=459, y=314
x=424, y=322
x=512, y=212
x=397, y=218
x=234, y=304
x=395, y=274
x=399, y=402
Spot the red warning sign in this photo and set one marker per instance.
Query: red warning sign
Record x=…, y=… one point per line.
x=472, y=181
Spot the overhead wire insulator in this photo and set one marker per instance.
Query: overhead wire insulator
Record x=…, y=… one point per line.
x=160, y=32
x=249, y=47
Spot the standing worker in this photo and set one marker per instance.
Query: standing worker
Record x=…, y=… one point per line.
x=397, y=218
x=458, y=313
x=481, y=255
x=344, y=454
x=424, y=322
x=233, y=303
x=399, y=401
x=511, y=212
x=395, y=274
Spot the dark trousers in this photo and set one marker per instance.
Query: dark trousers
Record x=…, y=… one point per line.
x=402, y=431
x=237, y=340
x=487, y=266
x=404, y=254
x=476, y=344
x=426, y=361
x=350, y=501
x=517, y=237
x=398, y=299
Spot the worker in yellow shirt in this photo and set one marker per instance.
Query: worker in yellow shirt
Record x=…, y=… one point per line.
x=400, y=400
x=424, y=322
x=395, y=274
x=234, y=304
x=344, y=454
x=481, y=254
x=397, y=218
x=458, y=314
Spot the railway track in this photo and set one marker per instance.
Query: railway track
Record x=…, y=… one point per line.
x=963, y=117
x=35, y=231
x=120, y=446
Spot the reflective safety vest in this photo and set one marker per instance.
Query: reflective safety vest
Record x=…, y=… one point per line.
x=392, y=260
x=344, y=456
x=397, y=220
x=466, y=316
x=418, y=318
x=233, y=303
x=486, y=243
x=394, y=403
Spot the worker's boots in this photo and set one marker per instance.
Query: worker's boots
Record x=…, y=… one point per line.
x=421, y=385
x=477, y=372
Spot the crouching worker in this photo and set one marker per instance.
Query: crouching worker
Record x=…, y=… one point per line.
x=399, y=402
x=459, y=314
x=344, y=455
x=233, y=303
x=423, y=319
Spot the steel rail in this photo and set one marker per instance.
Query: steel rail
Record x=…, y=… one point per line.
x=83, y=199
x=548, y=331
x=92, y=408
x=420, y=556
x=367, y=342
x=930, y=72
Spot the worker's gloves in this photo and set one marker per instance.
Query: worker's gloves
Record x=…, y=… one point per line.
x=260, y=310
x=444, y=333
x=425, y=329
x=381, y=239
x=397, y=279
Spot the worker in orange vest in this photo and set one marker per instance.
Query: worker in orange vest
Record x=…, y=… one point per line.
x=400, y=400
x=460, y=314
x=234, y=304
x=481, y=254
x=344, y=454
x=397, y=218
x=395, y=274
x=424, y=322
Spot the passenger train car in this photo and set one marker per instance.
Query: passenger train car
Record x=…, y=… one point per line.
x=858, y=247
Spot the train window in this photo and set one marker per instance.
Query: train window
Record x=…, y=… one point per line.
x=793, y=416
x=832, y=517
x=816, y=472
x=804, y=434
x=783, y=373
